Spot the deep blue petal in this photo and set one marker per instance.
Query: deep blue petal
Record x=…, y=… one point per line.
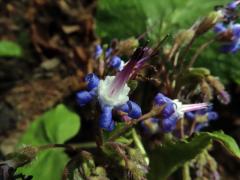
x=92, y=81
x=169, y=124
x=115, y=62
x=168, y=110
x=83, y=97
x=160, y=99
x=105, y=120
x=134, y=110
x=124, y=108
x=189, y=116
x=212, y=116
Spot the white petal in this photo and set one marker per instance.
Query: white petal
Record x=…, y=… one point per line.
x=105, y=97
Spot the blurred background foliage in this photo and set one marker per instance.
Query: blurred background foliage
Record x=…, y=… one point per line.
x=122, y=19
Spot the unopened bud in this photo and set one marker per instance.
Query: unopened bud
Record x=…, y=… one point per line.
x=184, y=37
x=206, y=91
x=126, y=47
x=208, y=22
x=215, y=83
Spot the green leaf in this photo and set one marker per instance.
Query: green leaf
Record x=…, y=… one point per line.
x=48, y=165
x=61, y=124
x=170, y=156
x=54, y=126
x=10, y=49
x=228, y=142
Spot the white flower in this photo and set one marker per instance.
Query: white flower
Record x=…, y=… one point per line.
x=106, y=98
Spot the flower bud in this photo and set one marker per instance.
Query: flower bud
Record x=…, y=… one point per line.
x=184, y=37
x=92, y=81
x=208, y=22
x=83, y=97
x=126, y=47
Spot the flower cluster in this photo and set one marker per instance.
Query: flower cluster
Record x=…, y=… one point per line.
x=112, y=92
x=100, y=90
x=173, y=110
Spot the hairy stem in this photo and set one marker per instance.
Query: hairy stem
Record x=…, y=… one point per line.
x=86, y=145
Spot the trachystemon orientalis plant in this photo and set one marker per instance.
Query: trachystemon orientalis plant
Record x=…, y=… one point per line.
x=150, y=106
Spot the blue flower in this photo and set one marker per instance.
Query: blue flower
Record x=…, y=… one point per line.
x=105, y=121
x=173, y=110
x=112, y=92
